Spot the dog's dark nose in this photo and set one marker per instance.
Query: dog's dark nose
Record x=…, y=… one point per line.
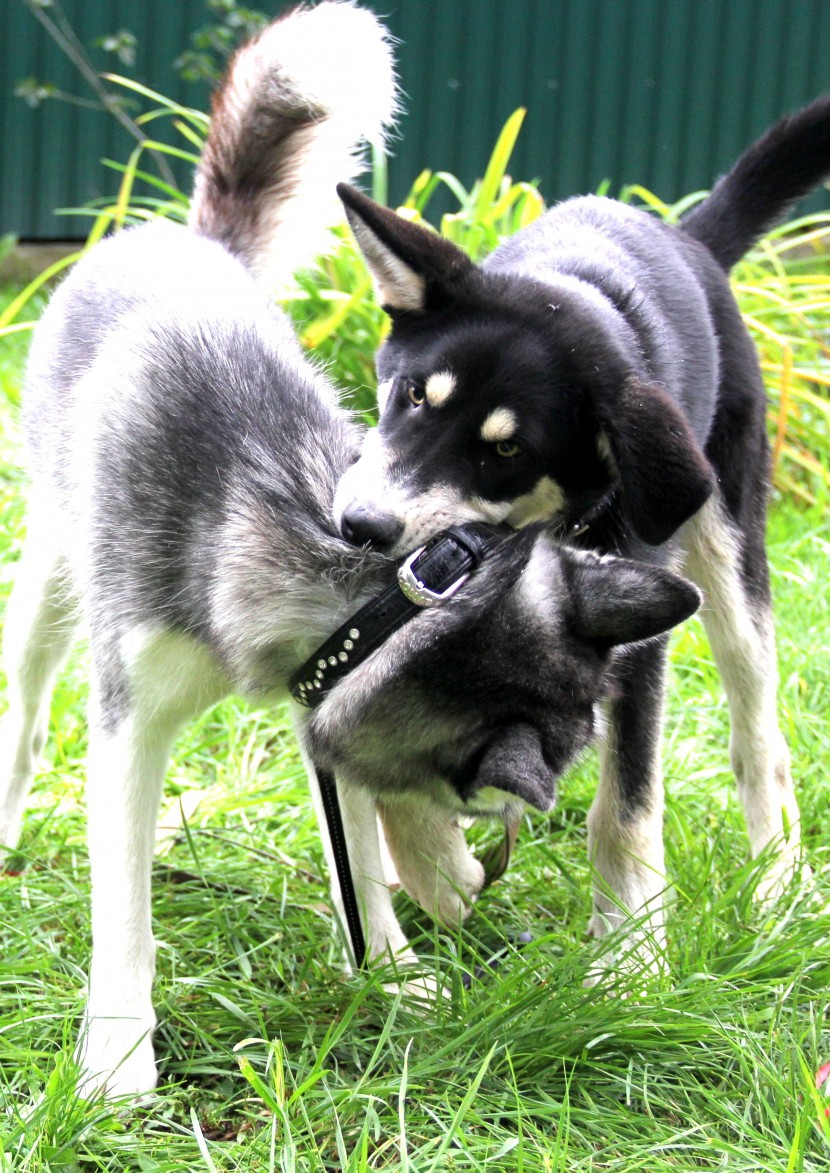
x=368, y=527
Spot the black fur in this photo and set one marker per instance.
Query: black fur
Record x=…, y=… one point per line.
x=613, y=342
x=595, y=320
x=459, y=681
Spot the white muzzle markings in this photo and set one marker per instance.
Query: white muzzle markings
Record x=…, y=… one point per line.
x=372, y=483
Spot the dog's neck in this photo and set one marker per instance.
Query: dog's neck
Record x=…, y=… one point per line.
x=427, y=578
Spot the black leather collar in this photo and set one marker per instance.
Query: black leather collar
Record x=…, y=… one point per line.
x=426, y=578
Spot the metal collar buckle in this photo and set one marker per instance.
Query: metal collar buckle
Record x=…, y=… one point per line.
x=416, y=591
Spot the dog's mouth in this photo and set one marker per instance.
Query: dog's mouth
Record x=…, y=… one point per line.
x=381, y=503
x=397, y=532
x=393, y=522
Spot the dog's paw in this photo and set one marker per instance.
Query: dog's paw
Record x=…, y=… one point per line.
x=14, y=787
x=638, y=953
x=422, y=993
x=448, y=888
x=115, y=1057
x=421, y=989
x=786, y=872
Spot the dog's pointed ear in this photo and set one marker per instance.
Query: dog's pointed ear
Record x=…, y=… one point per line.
x=514, y=761
x=407, y=262
x=616, y=601
x=664, y=476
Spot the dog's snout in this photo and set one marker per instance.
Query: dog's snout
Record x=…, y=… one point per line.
x=370, y=527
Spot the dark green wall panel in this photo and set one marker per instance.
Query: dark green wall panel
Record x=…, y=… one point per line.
x=50, y=156
x=659, y=92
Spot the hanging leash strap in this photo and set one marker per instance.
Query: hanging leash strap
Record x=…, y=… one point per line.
x=426, y=578
x=496, y=859
x=342, y=865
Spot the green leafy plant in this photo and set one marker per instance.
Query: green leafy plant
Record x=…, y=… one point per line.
x=493, y=209
x=784, y=292
x=783, y=287
x=212, y=45
x=127, y=207
x=203, y=60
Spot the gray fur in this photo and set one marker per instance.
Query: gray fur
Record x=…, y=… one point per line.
x=184, y=454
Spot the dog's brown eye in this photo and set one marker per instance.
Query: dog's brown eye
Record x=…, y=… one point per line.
x=416, y=394
x=507, y=448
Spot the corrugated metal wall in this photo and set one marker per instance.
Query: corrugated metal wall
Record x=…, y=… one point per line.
x=50, y=156
x=659, y=92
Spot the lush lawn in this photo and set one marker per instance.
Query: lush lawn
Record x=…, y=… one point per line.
x=275, y=1061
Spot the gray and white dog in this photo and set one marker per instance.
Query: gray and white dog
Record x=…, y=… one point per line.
x=184, y=456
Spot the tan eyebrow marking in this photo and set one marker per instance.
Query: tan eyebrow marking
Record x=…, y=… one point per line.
x=383, y=394
x=439, y=387
x=500, y=424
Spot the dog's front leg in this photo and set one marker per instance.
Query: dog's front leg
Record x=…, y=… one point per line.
x=625, y=823
x=433, y=861
x=384, y=935
x=127, y=761
x=39, y=624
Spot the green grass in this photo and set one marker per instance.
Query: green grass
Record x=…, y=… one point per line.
x=273, y=1060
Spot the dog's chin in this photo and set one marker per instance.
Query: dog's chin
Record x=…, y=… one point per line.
x=407, y=544
x=417, y=533
x=492, y=803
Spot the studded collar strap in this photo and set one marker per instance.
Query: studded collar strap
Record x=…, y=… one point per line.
x=426, y=578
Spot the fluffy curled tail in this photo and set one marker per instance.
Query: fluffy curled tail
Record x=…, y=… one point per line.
x=784, y=165
x=287, y=123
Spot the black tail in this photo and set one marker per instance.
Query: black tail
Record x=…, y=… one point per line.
x=784, y=165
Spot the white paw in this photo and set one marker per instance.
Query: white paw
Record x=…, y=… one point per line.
x=12, y=809
x=638, y=951
x=447, y=889
x=422, y=993
x=422, y=990
x=786, y=870
x=115, y=1054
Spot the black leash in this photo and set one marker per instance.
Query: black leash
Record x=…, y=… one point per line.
x=426, y=578
x=342, y=866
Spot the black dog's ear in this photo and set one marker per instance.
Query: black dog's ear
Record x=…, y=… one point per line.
x=664, y=476
x=405, y=259
x=618, y=602
x=514, y=762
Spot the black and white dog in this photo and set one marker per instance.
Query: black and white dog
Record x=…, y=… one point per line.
x=595, y=371
x=185, y=455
